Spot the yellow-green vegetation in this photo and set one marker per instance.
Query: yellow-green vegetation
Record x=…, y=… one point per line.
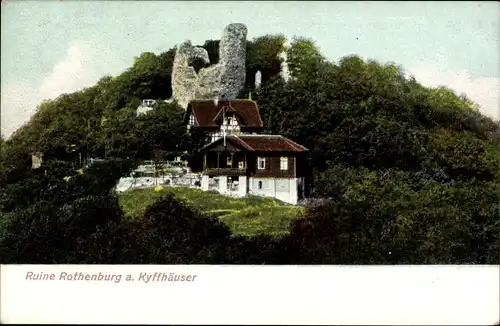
x=135, y=202
x=247, y=216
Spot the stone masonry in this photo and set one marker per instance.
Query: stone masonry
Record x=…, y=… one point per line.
x=184, y=77
x=223, y=80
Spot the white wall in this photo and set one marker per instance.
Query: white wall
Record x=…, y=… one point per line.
x=222, y=184
x=243, y=189
x=293, y=194
x=268, y=187
x=143, y=110
x=283, y=189
x=204, y=182
x=187, y=180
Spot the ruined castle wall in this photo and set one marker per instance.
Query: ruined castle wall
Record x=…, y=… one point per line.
x=224, y=80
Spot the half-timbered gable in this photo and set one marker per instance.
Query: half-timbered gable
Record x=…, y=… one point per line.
x=238, y=115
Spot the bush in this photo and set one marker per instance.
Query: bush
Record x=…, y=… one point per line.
x=382, y=218
x=172, y=233
x=46, y=233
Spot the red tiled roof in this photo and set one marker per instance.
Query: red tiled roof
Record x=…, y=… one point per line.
x=264, y=143
x=206, y=112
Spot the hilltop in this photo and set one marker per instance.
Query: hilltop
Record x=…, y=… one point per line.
x=412, y=172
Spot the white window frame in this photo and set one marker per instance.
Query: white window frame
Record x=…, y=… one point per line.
x=191, y=120
x=259, y=161
x=283, y=163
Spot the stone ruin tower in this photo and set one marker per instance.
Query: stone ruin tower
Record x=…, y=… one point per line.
x=223, y=80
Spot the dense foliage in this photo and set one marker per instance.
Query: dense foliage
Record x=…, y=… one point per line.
x=411, y=174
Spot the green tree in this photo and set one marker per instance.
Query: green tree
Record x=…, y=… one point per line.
x=212, y=47
x=395, y=217
x=303, y=57
x=162, y=131
x=172, y=233
x=464, y=156
x=119, y=135
x=412, y=172
x=263, y=55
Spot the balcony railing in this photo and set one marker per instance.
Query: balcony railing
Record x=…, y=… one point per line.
x=224, y=171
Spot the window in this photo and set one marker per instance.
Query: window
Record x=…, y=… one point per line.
x=191, y=120
x=260, y=185
x=284, y=163
x=229, y=162
x=261, y=163
x=241, y=165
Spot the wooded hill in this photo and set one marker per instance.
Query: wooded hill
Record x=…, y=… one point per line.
x=412, y=173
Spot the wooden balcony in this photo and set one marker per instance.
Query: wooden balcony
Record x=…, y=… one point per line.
x=232, y=172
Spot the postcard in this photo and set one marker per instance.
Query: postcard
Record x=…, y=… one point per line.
x=285, y=162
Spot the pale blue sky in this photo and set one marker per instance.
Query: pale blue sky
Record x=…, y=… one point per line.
x=50, y=47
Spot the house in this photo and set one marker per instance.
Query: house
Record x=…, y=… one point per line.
x=263, y=165
x=238, y=160
x=226, y=116
x=146, y=106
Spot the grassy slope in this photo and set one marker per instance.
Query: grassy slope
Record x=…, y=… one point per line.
x=245, y=216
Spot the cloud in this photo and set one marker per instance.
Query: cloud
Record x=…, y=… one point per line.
x=82, y=66
x=485, y=91
x=18, y=104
